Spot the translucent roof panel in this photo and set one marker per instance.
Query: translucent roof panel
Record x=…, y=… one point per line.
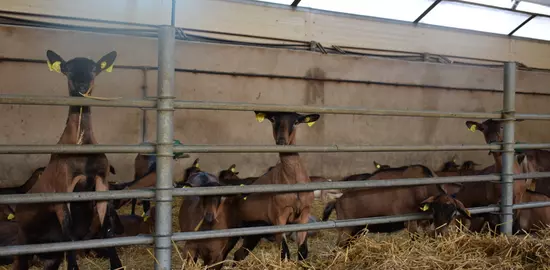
x=496, y=3
x=284, y=2
x=537, y=28
x=532, y=7
x=471, y=17
x=403, y=10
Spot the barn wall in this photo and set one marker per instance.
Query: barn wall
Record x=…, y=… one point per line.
x=43, y=125
x=258, y=18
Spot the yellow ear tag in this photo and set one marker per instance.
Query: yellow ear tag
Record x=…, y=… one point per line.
x=425, y=207
x=378, y=166
x=310, y=123
x=11, y=216
x=233, y=170
x=467, y=212
x=56, y=66
x=473, y=128
x=260, y=117
x=104, y=64
x=242, y=185
x=145, y=218
x=197, y=165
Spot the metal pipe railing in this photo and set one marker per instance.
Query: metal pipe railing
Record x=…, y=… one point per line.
x=507, y=199
x=234, y=106
x=145, y=148
x=146, y=239
x=272, y=188
x=101, y=148
x=165, y=137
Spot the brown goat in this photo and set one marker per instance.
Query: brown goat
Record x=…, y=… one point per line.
x=145, y=176
x=492, y=131
x=374, y=202
x=280, y=208
x=8, y=237
x=445, y=209
x=215, y=250
x=46, y=223
x=28, y=184
x=231, y=177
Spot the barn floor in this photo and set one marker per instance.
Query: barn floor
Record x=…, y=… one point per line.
x=398, y=251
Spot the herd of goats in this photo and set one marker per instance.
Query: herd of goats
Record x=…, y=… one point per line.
x=58, y=222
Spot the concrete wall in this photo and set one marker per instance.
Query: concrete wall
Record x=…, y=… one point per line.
x=259, y=18
x=41, y=124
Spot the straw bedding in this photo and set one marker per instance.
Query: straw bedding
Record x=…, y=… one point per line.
x=459, y=250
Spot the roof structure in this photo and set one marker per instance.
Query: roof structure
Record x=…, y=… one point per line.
x=515, y=18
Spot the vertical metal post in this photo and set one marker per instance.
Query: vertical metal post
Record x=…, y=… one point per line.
x=165, y=137
x=144, y=128
x=508, y=114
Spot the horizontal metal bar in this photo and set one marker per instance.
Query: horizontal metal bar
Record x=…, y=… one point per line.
x=76, y=196
x=202, y=191
x=531, y=205
x=71, y=148
x=520, y=146
x=234, y=106
x=146, y=239
x=75, y=101
x=103, y=148
x=227, y=190
x=333, y=224
x=326, y=149
x=528, y=116
x=76, y=245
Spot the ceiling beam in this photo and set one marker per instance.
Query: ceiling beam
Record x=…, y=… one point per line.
x=522, y=24
x=426, y=11
x=295, y=3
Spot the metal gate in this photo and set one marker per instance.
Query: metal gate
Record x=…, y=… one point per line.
x=164, y=193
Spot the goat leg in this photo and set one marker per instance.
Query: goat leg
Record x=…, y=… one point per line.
x=101, y=185
x=285, y=251
x=109, y=232
x=249, y=243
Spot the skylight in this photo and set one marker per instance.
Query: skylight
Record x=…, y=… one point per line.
x=471, y=17
x=495, y=3
x=535, y=8
x=403, y=10
x=537, y=28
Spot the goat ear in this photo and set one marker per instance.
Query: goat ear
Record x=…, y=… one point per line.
x=473, y=126
x=425, y=205
x=106, y=62
x=112, y=169
x=460, y=207
x=55, y=62
x=260, y=116
x=196, y=163
x=309, y=119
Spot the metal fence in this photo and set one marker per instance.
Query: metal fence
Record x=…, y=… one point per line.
x=164, y=193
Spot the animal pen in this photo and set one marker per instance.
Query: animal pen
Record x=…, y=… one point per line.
x=165, y=104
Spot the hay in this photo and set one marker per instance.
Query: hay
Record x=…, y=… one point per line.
x=458, y=250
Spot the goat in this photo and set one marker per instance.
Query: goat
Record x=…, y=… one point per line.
x=145, y=176
x=46, y=223
x=373, y=202
x=231, y=177
x=280, y=208
x=365, y=176
x=207, y=213
x=28, y=184
x=445, y=209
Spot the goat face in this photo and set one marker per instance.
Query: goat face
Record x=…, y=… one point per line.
x=80, y=71
x=284, y=124
x=444, y=209
x=229, y=174
x=492, y=130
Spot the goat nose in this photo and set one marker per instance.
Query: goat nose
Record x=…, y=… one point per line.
x=209, y=217
x=281, y=141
